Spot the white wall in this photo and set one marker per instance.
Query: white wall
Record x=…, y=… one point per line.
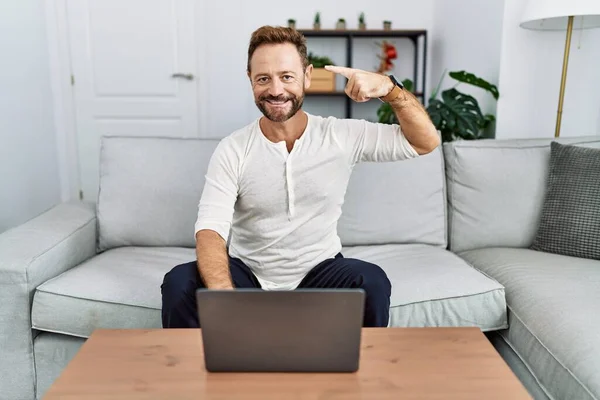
x=468, y=37
x=530, y=72
x=482, y=37
x=29, y=182
x=225, y=32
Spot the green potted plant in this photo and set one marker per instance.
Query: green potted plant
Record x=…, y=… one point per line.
x=292, y=23
x=341, y=24
x=319, y=61
x=317, y=21
x=322, y=80
x=387, y=25
x=455, y=114
x=361, y=21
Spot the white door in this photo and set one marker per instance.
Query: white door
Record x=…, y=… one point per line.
x=134, y=69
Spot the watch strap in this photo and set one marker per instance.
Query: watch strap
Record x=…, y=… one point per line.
x=395, y=92
x=392, y=95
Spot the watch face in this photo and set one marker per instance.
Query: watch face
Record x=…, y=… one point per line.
x=399, y=84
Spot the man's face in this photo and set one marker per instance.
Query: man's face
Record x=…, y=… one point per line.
x=278, y=80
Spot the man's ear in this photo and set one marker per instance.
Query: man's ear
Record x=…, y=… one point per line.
x=307, y=76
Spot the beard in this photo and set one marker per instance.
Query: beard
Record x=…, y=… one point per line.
x=279, y=114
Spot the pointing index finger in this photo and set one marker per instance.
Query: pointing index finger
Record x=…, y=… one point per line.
x=345, y=71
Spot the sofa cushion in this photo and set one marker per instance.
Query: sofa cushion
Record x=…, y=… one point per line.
x=570, y=221
x=116, y=289
x=432, y=287
x=554, y=319
x=149, y=190
x=53, y=352
x=517, y=366
x=121, y=289
x=396, y=202
x=496, y=190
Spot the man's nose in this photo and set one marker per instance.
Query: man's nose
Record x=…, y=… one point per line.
x=276, y=87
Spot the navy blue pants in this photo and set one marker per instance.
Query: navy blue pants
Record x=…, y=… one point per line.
x=180, y=285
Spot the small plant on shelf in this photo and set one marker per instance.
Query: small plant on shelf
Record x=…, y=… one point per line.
x=387, y=25
x=341, y=24
x=319, y=61
x=361, y=21
x=321, y=79
x=292, y=23
x=317, y=21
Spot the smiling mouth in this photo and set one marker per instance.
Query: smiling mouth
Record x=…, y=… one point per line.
x=277, y=102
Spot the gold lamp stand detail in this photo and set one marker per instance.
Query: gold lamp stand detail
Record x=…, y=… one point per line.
x=563, y=80
x=555, y=15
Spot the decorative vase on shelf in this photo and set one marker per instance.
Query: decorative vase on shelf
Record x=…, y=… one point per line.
x=387, y=25
x=292, y=23
x=341, y=24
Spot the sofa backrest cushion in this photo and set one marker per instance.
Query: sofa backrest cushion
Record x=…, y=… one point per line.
x=149, y=190
x=396, y=202
x=496, y=189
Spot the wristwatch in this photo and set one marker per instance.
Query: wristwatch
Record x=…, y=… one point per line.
x=395, y=92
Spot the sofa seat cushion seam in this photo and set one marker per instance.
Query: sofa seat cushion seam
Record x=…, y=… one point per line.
x=552, y=354
x=449, y=298
x=509, y=344
x=95, y=300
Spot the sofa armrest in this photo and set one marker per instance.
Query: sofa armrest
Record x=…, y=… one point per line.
x=30, y=254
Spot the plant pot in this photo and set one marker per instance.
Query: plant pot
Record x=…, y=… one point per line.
x=321, y=80
x=340, y=25
x=292, y=24
x=387, y=25
x=362, y=26
x=316, y=26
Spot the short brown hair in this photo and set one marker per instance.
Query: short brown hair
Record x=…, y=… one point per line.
x=277, y=35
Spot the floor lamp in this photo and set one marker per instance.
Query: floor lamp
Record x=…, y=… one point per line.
x=560, y=15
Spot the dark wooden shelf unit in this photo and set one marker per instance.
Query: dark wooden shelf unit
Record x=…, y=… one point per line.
x=349, y=34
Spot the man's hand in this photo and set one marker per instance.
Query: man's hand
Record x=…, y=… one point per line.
x=412, y=116
x=363, y=85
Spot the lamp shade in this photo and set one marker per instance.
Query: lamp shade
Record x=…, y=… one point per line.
x=554, y=14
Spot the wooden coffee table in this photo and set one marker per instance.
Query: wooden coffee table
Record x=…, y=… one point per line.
x=407, y=363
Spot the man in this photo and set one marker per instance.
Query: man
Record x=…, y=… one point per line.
x=275, y=188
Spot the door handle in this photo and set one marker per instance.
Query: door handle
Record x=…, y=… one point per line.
x=189, y=77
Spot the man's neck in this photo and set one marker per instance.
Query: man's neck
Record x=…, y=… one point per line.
x=289, y=130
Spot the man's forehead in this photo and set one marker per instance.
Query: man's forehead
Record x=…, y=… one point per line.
x=276, y=54
x=276, y=48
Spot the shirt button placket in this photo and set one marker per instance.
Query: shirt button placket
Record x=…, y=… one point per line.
x=290, y=186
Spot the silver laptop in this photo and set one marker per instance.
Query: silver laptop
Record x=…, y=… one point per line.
x=304, y=330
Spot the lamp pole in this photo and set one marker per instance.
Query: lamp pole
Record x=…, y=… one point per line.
x=563, y=79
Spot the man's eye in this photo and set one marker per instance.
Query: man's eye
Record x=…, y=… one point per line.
x=287, y=77
x=262, y=80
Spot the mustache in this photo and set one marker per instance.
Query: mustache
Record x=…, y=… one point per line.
x=276, y=98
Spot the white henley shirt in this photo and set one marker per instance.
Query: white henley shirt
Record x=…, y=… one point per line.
x=279, y=210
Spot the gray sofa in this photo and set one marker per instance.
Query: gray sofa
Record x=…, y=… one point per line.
x=451, y=229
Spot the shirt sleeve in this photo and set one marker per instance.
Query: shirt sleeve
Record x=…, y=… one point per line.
x=371, y=141
x=216, y=206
